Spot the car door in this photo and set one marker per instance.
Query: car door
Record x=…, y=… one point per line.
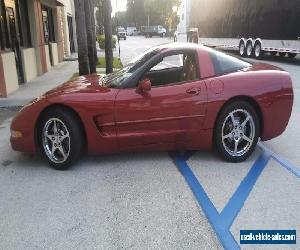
x=168, y=113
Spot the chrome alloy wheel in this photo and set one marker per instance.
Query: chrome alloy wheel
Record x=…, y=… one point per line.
x=238, y=132
x=56, y=140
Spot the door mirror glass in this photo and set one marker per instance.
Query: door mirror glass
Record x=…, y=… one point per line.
x=144, y=86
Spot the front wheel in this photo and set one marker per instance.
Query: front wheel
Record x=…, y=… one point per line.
x=237, y=131
x=60, y=138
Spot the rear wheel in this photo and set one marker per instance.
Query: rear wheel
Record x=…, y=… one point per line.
x=237, y=131
x=60, y=138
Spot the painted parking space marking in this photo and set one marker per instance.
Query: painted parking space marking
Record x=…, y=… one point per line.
x=221, y=222
x=283, y=162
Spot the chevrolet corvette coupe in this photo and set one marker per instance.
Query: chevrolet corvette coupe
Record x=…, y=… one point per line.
x=172, y=97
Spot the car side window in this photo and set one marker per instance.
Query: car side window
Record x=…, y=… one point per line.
x=169, y=62
x=174, y=69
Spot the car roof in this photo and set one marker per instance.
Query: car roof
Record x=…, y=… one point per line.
x=179, y=46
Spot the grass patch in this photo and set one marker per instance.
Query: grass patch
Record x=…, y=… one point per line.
x=117, y=64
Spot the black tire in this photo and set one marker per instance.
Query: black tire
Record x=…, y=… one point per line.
x=258, y=52
x=242, y=49
x=249, y=49
x=175, y=39
x=219, y=126
x=76, y=142
x=292, y=55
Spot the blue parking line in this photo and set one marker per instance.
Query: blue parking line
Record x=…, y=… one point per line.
x=224, y=235
x=221, y=222
x=283, y=162
x=239, y=197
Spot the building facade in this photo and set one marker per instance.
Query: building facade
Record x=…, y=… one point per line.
x=34, y=36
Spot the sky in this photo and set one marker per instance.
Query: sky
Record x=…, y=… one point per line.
x=118, y=5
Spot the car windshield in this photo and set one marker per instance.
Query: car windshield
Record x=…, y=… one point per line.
x=117, y=79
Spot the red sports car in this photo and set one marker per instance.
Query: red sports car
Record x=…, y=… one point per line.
x=172, y=97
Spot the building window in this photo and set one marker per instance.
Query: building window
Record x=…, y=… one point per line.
x=3, y=27
x=48, y=24
x=23, y=22
x=14, y=25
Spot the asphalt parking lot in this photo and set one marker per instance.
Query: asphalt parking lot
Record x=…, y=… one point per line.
x=191, y=200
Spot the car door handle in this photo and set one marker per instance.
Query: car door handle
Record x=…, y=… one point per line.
x=194, y=91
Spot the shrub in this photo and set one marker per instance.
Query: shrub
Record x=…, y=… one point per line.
x=101, y=41
x=117, y=64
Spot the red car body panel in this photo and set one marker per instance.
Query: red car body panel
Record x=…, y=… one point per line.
x=168, y=117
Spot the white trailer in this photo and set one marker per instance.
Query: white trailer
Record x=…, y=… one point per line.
x=248, y=46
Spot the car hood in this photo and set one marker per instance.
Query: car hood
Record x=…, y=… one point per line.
x=82, y=84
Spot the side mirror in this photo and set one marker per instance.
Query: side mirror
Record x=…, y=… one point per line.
x=144, y=86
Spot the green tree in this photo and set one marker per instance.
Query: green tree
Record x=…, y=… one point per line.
x=136, y=13
x=120, y=19
x=99, y=17
x=161, y=12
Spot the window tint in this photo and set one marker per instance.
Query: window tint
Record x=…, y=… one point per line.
x=169, y=62
x=225, y=64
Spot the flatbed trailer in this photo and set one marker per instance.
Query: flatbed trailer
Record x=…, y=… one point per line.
x=253, y=27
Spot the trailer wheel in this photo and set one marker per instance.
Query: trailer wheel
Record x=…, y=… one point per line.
x=249, y=49
x=258, y=52
x=292, y=55
x=242, y=49
x=282, y=54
